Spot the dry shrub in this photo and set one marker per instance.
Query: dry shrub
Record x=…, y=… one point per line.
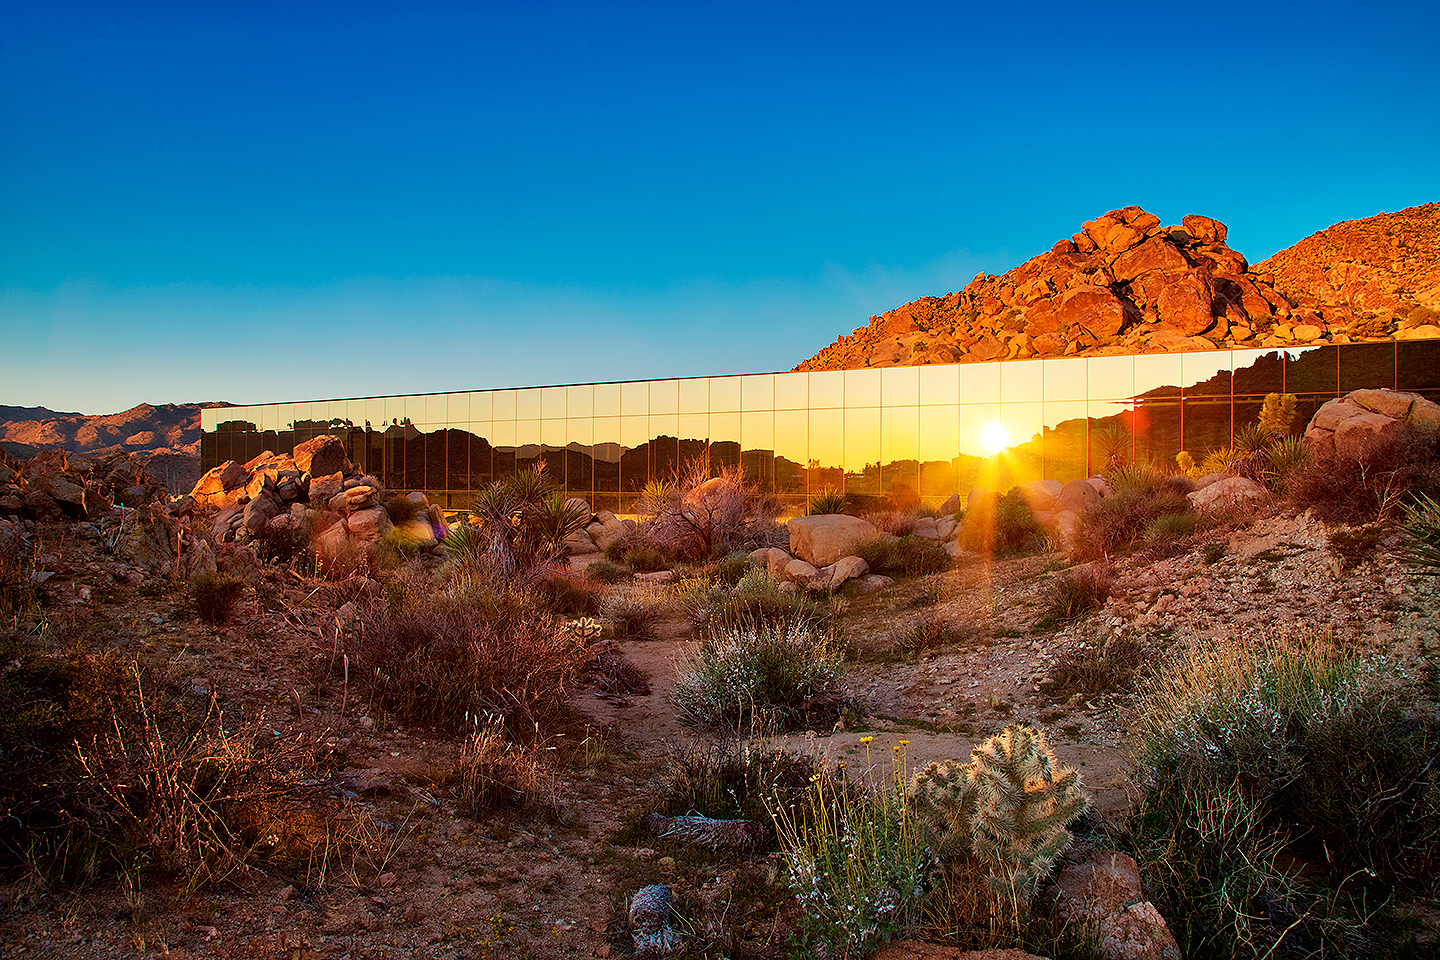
x=1139, y=496
x=401, y=509
x=1091, y=671
x=215, y=596
x=1370, y=484
x=633, y=616
x=604, y=571
x=1075, y=593
x=568, y=594
x=441, y=658
x=908, y=556
x=706, y=511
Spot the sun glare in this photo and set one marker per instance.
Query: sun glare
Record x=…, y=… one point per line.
x=994, y=437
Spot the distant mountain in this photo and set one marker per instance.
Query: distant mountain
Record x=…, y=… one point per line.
x=1126, y=284
x=8, y=414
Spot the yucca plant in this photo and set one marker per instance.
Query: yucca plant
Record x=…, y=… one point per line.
x=557, y=516
x=826, y=502
x=1422, y=535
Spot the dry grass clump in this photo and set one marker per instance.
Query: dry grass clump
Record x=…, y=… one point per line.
x=897, y=523
x=732, y=780
x=105, y=768
x=907, y=556
x=495, y=770
x=440, y=658
x=1090, y=671
x=1371, y=484
x=1257, y=754
x=1075, y=593
x=634, y=614
x=1141, y=495
x=568, y=594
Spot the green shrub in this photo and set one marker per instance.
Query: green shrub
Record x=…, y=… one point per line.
x=763, y=675
x=215, y=596
x=1017, y=532
x=825, y=502
x=1170, y=533
x=757, y=599
x=632, y=616
x=1268, y=748
x=603, y=571
x=729, y=780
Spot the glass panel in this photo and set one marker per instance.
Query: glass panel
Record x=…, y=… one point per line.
x=724, y=394
x=437, y=408
x=580, y=401
x=1417, y=365
x=554, y=434
x=757, y=392
x=607, y=399
x=1158, y=437
x=504, y=401
x=664, y=445
x=1158, y=375
x=940, y=384
x=1067, y=439
x=580, y=456
x=1112, y=435
x=694, y=427
x=635, y=399
x=552, y=403
x=664, y=396
x=503, y=435
x=527, y=404
x=1022, y=381
x=695, y=396
x=826, y=447
x=981, y=429
x=899, y=433
x=1066, y=379
x=1367, y=365
x=792, y=391
x=1258, y=372
x=939, y=433
x=375, y=417
x=607, y=454
x=527, y=442
x=482, y=405
x=1110, y=378
x=481, y=464
x=1206, y=422
x=862, y=446
x=757, y=445
x=792, y=433
x=792, y=428
x=900, y=386
x=1312, y=370
x=725, y=439
x=862, y=388
x=980, y=383
x=1206, y=374
x=827, y=389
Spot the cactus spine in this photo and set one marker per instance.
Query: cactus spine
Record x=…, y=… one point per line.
x=1007, y=809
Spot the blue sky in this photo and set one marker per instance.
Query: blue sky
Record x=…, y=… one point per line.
x=292, y=201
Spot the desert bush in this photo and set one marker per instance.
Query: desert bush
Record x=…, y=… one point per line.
x=603, y=571
x=732, y=568
x=440, y=658
x=907, y=556
x=856, y=862
x=1170, y=533
x=568, y=594
x=897, y=523
x=705, y=511
x=1139, y=495
x=1422, y=535
x=763, y=675
x=644, y=558
x=401, y=509
x=1271, y=747
x=1075, y=593
x=1005, y=527
x=728, y=779
x=1109, y=667
x=757, y=599
x=932, y=632
x=521, y=523
x=1371, y=484
x=1277, y=415
x=632, y=616
x=214, y=596
x=826, y=502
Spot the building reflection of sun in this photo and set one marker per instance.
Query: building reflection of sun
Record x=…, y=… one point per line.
x=994, y=437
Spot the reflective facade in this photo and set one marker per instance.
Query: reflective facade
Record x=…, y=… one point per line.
x=904, y=433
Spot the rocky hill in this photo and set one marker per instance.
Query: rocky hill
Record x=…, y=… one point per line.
x=1126, y=284
x=165, y=439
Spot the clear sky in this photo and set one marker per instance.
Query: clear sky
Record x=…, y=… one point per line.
x=289, y=201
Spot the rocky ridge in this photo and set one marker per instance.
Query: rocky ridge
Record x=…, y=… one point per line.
x=1126, y=284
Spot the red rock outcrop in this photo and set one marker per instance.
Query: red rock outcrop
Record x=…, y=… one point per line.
x=1127, y=284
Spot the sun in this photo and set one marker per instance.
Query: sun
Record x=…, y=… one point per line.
x=994, y=437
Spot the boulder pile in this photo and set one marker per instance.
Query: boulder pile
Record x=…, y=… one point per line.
x=1349, y=424
x=1124, y=284
x=57, y=485
x=316, y=492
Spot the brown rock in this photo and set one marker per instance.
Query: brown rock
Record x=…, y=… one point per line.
x=1184, y=303
x=1204, y=229
x=321, y=456
x=259, y=512
x=371, y=523
x=1155, y=254
x=822, y=540
x=326, y=488
x=1112, y=236
x=1228, y=493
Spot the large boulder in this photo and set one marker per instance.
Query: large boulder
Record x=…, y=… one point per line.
x=1227, y=494
x=1103, y=892
x=821, y=540
x=1075, y=496
x=805, y=575
x=320, y=456
x=371, y=523
x=846, y=568
x=1360, y=418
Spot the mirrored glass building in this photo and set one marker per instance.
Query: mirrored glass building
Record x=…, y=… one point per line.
x=906, y=434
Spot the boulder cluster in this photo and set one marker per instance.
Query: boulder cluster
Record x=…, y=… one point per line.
x=1124, y=284
x=1348, y=424
x=56, y=485
x=315, y=492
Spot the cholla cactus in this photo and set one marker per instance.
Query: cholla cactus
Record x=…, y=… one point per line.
x=1006, y=809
